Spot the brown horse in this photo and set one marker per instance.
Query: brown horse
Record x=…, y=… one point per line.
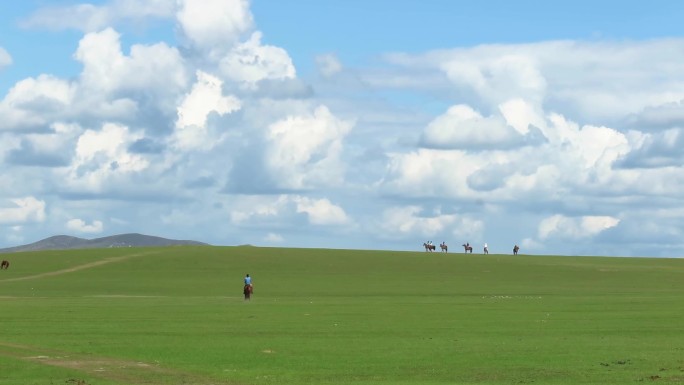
x=515, y=250
x=248, y=290
x=468, y=248
x=444, y=247
x=4, y=265
x=429, y=248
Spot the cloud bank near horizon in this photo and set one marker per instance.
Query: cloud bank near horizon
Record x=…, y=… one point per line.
x=562, y=147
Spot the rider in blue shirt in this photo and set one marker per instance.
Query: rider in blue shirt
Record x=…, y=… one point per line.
x=248, y=280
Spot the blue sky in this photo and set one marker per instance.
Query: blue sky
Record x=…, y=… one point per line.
x=346, y=124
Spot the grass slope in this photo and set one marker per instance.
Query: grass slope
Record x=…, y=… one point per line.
x=175, y=315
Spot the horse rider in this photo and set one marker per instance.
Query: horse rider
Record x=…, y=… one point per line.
x=486, y=250
x=248, y=281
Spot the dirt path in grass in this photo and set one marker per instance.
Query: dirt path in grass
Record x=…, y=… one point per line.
x=111, y=369
x=79, y=267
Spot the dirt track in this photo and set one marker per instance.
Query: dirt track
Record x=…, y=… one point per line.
x=77, y=268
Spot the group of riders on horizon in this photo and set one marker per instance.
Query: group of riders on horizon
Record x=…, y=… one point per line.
x=429, y=246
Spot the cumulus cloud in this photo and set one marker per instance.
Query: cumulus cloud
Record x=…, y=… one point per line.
x=321, y=211
x=106, y=69
x=81, y=226
x=205, y=97
x=23, y=210
x=575, y=228
x=462, y=127
x=306, y=149
x=211, y=25
x=251, y=61
x=32, y=103
x=101, y=158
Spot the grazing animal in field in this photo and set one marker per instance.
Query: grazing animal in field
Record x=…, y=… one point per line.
x=444, y=247
x=467, y=248
x=248, y=290
x=4, y=265
x=515, y=250
x=428, y=247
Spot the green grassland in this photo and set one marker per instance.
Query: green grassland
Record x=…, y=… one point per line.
x=176, y=316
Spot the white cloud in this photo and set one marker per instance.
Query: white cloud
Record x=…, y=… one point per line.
x=212, y=25
x=258, y=209
x=463, y=127
x=499, y=77
x=155, y=68
x=23, y=210
x=102, y=158
x=251, y=62
x=520, y=114
x=575, y=228
x=321, y=211
x=304, y=151
x=32, y=102
x=204, y=98
x=81, y=226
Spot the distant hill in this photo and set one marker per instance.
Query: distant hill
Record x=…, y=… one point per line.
x=65, y=242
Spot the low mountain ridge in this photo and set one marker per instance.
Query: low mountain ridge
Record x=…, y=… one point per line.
x=66, y=242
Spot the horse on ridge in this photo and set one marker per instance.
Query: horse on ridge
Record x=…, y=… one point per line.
x=429, y=248
x=515, y=250
x=467, y=248
x=444, y=247
x=4, y=265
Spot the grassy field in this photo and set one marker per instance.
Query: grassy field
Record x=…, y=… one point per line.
x=176, y=316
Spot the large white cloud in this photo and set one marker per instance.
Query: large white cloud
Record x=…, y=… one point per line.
x=102, y=159
x=213, y=25
x=462, y=127
x=204, y=98
x=304, y=151
x=155, y=68
x=33, y=102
